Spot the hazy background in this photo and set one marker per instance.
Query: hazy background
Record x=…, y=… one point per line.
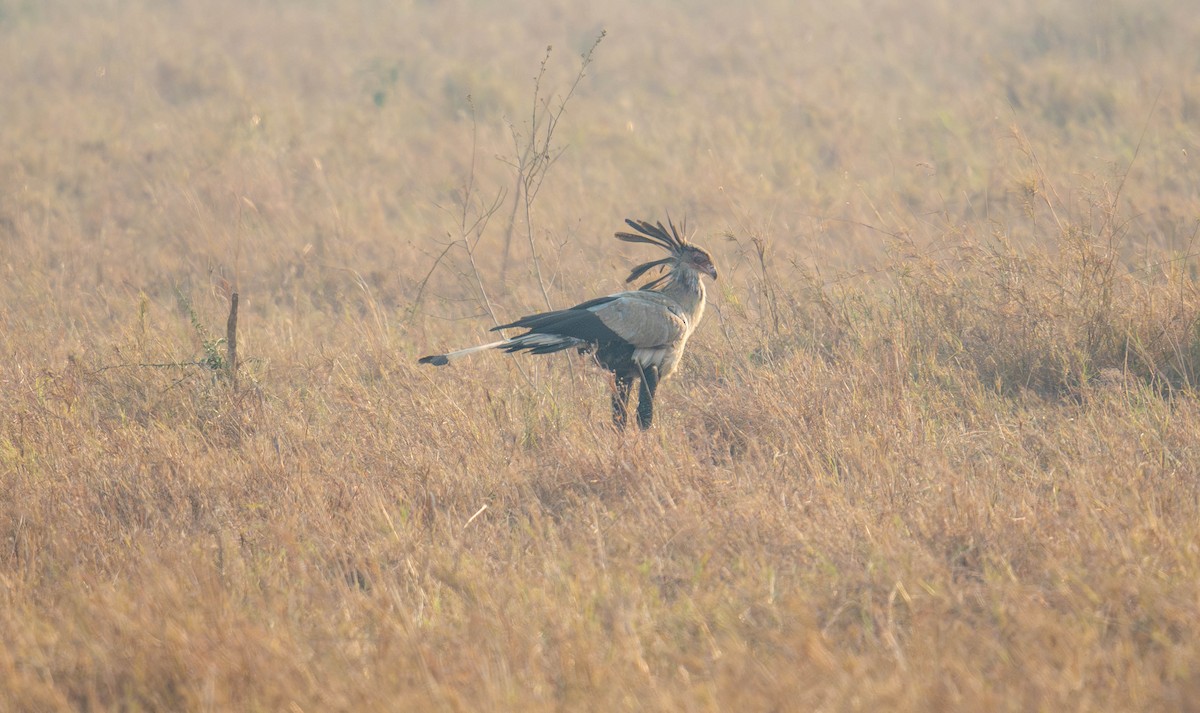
x=146, y=144
x=934, y=446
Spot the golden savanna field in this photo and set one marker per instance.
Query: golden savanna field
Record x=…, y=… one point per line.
x=935, y=445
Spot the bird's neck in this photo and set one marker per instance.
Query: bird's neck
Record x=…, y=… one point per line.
x=686, y=288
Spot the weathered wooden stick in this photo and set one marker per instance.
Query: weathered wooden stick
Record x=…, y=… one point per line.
x=231, y=338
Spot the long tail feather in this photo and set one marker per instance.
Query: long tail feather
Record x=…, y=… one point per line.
x=532, y=343
x=541, y=343
x=444, y=359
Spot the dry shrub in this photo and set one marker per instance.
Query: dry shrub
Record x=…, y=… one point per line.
x=1051, y=321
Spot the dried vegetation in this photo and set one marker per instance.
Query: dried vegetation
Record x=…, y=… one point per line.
x=934, y=448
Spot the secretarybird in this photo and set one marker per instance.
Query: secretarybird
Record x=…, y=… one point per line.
x=637, y=334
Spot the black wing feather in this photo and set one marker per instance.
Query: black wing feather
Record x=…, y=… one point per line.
x=578, y=322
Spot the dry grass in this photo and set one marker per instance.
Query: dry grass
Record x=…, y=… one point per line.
x=934, y=448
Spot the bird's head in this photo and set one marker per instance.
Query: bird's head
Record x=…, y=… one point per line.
x=698, y=259
x=682, y=252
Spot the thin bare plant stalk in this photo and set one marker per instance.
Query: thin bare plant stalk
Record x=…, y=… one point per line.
x=231, y=339
x=469, y=225
x=534, y=154
x=473, y=218
x=416, y=303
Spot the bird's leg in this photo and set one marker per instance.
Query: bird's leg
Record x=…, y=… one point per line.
x=620, y=400
x=645, y=409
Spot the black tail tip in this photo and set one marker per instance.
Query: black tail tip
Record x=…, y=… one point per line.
x=435, y=359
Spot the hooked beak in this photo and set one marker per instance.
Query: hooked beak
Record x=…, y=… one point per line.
x=711, y=271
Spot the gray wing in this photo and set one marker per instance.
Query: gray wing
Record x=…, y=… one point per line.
x=640, y=318
x=643, y=319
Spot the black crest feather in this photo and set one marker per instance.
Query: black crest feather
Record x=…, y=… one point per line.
x=644, y=267
x=653, y=234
